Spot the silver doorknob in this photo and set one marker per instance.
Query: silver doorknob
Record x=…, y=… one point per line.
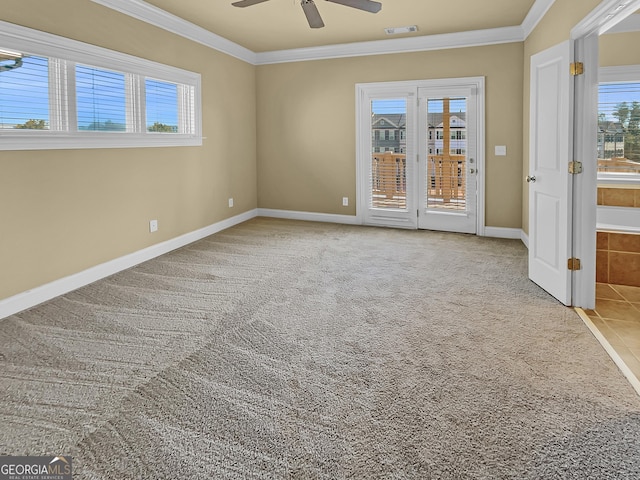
x=531, y=179
x=472, y=170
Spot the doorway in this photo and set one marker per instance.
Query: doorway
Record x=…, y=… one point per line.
x=585, y=38
x=420, y=154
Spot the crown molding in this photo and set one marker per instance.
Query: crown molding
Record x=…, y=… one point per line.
x=397, y=45
x=174, y=24
x=145, y=12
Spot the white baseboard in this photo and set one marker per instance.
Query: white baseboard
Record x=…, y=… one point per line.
x=35, y=296
x=501, y=232
x=310, y=216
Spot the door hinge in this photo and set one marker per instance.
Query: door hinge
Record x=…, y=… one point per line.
x=575, y=167
x=576, y=68
x=573, y=264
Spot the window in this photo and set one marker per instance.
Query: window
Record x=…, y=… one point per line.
x=439, y=135
x=60, y=93
x=618, y=135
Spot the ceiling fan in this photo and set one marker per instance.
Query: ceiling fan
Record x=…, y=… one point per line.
x=311, y=11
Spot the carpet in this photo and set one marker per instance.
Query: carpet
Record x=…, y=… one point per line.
x=298, y=350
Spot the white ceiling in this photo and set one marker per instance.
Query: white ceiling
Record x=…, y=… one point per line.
x=281, y=24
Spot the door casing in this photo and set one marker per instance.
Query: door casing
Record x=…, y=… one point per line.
x=585, y=38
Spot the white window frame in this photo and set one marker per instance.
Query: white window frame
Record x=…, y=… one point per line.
x=63, y=54
x=621, y=74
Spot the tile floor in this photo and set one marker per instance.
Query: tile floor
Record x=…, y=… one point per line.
x=617, y=316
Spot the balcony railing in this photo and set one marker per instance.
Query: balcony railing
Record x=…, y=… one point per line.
x=445, y=181
x=618, y=165
x=448, y=183
x=389, y=180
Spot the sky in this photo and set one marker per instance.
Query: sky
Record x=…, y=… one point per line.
x=612, y=94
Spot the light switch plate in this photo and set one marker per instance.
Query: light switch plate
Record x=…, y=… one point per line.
x=501, y=150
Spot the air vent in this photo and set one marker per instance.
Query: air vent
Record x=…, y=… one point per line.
x=398, y=30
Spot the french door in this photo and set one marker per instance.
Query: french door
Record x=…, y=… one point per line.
x=419, y=154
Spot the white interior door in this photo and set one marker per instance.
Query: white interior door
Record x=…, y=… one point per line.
x=448, y=142
x=550, y=149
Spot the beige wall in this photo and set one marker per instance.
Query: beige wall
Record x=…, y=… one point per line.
x=63, y=211
x=619, y=49
x=554, y=28
x=306, y=125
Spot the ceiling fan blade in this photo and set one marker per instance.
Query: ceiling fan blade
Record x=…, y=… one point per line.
x=366, y=5
x=312, y=14
x=247, y=3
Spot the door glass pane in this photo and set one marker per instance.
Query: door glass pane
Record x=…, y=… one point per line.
x=446, y=138
x=388, y=153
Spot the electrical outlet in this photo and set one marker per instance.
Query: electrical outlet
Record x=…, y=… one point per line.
x=345, y=201
x=153, y=226
x=230, y=202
